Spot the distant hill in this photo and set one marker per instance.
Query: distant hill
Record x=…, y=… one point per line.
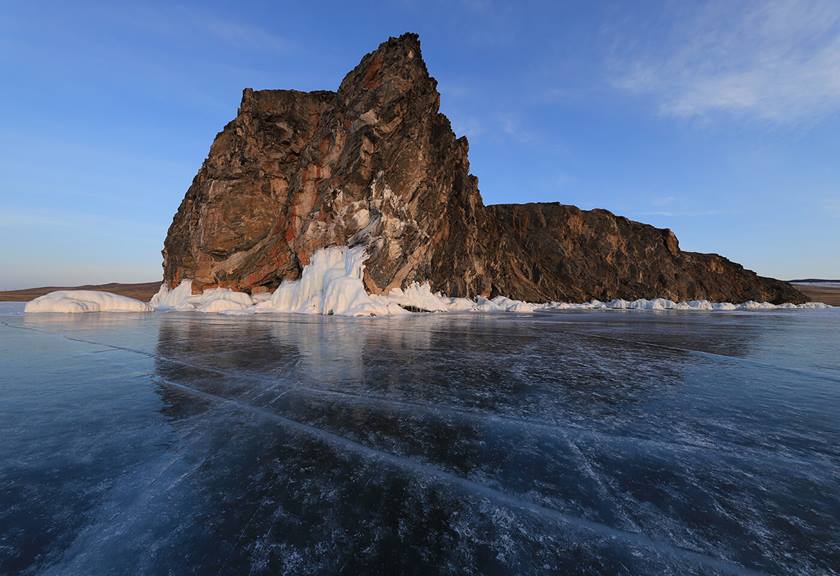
x=827, y=291
x=142, y=291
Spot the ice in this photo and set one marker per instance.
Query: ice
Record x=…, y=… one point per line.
x=330, y=284
x=76, y=301
x=420, y=296
x=172, y=299
x=609, y=441
x=182, y=299
x=665, y=304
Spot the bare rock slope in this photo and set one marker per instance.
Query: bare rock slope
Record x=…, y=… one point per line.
x=377, y=164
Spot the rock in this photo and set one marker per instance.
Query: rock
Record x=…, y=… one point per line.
x=377, y=164
x=575, y=255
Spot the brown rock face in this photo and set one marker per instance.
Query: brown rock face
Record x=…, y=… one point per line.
x=575, y=255
x=377, y=164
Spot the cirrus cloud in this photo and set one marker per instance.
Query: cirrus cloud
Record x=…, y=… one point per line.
x=775, y=61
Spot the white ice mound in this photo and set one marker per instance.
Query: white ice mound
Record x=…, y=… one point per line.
x=167, y=299
x=330, y=284
x=76, y=301
x=665, y=304
x=418, y=296
x=182, y=299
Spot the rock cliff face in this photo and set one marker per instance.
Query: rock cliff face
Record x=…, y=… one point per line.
x=377, y=164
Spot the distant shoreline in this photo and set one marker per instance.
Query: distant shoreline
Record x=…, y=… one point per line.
x=141, y=290
x=826, y=291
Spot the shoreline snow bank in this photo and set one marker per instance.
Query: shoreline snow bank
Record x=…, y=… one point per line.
x=332, y=284
x=664, y=304
x=79, y=301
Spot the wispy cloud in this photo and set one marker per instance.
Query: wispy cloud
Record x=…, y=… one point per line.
x=235, y=32
x=513, y=127
x=774, y=61
x=663, y=200
x=674, y=206
x=240, y=34
x=681, y=214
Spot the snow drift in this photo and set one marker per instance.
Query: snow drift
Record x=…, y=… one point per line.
x=76, y=301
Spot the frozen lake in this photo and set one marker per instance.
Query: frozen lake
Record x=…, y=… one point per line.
x=552, y=443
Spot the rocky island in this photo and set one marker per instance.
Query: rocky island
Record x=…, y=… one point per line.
x=375, y=164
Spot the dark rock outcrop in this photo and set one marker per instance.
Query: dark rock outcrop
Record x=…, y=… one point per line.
x=376, y=163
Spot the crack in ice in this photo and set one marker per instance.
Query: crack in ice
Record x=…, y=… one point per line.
x=512, y=500
x=734, y=451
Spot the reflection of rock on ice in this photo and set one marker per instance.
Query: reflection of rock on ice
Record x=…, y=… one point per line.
x=315, y=349
x=332, y=350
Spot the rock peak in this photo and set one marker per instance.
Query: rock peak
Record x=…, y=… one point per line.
x=395, y=69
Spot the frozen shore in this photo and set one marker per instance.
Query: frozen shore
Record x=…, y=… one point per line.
x=332, y=284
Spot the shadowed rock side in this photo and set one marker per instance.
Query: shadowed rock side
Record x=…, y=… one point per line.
x=376, y=163
x=574, y=255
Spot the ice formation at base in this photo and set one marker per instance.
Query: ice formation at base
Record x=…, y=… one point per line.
x=332, y=284
x=182, y=299
x=75, y=301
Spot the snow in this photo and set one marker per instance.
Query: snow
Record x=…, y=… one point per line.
x=261, y=297
x=76, y=301
x=665, y=304
x=420, y=296
x=167, y=299
x=182, y=299
x=332, y=284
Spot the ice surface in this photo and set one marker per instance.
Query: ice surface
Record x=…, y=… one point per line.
x=559, y=442
x=74, y=301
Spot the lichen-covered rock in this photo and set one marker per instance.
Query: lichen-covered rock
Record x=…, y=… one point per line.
x=377, y=164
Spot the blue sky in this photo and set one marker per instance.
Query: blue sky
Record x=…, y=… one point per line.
x=719, y=120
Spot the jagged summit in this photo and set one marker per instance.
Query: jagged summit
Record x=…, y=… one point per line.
x=377, y=164
x=391, y=72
